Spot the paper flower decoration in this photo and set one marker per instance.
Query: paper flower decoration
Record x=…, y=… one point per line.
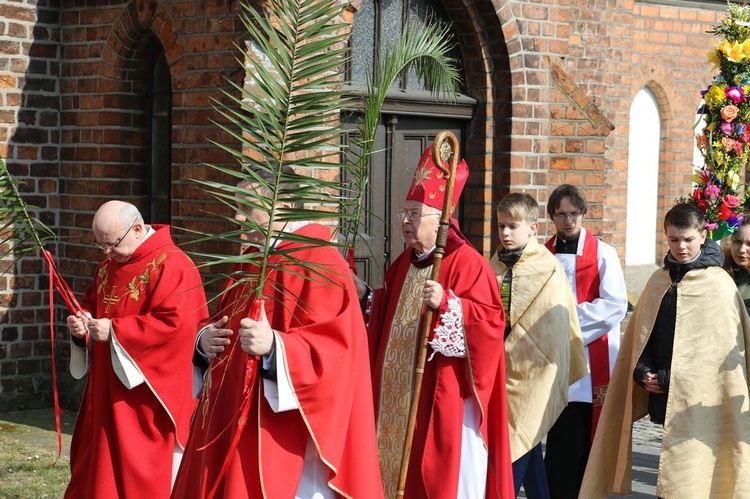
x=724, y=142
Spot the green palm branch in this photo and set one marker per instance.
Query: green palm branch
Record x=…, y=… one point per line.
x=425, y=50
x=21, y=234
x=289, y=114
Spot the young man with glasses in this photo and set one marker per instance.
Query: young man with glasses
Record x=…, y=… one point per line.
x=136, y=344
x=595, y=276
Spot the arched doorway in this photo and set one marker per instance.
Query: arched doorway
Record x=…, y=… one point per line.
x=410, y=120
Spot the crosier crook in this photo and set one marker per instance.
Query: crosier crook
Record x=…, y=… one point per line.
x=445, y=146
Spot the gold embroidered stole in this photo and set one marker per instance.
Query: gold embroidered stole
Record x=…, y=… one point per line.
x=107, y=293
x=397, y=376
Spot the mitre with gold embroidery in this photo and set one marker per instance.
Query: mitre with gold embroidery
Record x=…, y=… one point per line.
x=429, y=183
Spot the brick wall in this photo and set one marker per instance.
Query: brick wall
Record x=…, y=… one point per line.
x=29, y=138
x=104, y=132
x=674, y=67
x=595, y=57
x=72, y=124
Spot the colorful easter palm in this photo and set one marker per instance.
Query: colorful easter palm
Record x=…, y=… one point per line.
x=724, y=142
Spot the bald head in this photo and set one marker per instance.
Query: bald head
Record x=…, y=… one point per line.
x=115, y=216
x=119, y=229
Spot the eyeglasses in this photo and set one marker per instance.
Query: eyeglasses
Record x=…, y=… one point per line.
x=110, y=247
x=567, y=216
x=414, y=215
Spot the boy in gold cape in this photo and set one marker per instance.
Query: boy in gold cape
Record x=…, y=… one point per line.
x=544, y=350
x=682, y=361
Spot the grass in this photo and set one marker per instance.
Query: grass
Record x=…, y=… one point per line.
x=27, y=451
x=27, y=471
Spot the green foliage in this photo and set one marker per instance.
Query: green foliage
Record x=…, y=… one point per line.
x=21, y=234
x=422, y=48
x=736, y=25
x=26, y=470
x=288, y=115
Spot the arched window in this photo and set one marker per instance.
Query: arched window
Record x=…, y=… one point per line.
x=160, y=136
x=377, y=24
x=643, y=180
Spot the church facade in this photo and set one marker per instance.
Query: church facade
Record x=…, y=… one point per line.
x=105, y=100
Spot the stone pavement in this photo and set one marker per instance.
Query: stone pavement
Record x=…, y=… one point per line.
x=646, y=445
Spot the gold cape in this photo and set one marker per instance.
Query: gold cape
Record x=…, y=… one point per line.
x=705, y=449
x=544, y=352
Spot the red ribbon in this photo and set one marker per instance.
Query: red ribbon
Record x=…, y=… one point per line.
x=350, y=260
x=56, y=280
x=251, y=373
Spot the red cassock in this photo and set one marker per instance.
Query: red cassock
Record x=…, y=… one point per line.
x=124, y=439
x=449, y=381
x=315, y=310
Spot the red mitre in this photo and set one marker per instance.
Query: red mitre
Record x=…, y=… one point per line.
x=429, y=183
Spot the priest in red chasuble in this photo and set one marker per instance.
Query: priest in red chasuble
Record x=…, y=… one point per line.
x=310, y=430
x=136, y=343
x=460, y=446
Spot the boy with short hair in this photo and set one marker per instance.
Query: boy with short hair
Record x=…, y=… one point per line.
x=682, y=361
x=544, y=350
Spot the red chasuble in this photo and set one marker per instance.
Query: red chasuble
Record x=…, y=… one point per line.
x=448, y=381
x=124, y=438
x=314, y=308
x=587, y=289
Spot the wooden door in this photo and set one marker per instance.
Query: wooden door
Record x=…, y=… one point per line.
x=399, y=143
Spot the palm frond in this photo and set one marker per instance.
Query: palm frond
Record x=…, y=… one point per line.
x=21, y=234
x=287, y=114
x=424, y=49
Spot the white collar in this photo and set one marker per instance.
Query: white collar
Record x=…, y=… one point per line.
x=424, y=256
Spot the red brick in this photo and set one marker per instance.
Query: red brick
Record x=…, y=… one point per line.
x=17, y=13
x=561, y=163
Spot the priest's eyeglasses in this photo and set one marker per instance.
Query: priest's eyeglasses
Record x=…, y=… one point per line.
x=414, y=215
x=567, y=216
x=111, y=246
